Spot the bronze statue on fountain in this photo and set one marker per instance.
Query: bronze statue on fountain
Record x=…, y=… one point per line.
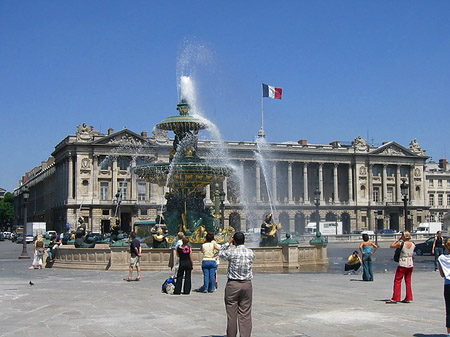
x=269, y=232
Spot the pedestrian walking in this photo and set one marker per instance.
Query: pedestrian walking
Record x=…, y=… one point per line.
x=438, y=248
x=135, y=259
x=367, y=248
x=238, y=291
x=185, y=267
x=444, y=269
x=404, y=269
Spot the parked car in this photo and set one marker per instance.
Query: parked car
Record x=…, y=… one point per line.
x=368, y=232
x=427, y=246
x=387, y=231
x=18, y=238
x=29, y=238
x=356, y=232
x=2, y=237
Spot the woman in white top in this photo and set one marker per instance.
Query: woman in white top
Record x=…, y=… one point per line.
x=209, y=264
x=444, y=269
x=404, y=269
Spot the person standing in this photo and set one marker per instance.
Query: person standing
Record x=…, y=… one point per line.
x=238, y=291
x=438, y=249
x=39, y=251
x=185, y=267
x=367, y=248
x=209, y=264
x=135, y=260
x=444, y=270
x=404, y=269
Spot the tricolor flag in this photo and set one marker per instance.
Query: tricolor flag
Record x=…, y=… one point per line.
x=272, y=92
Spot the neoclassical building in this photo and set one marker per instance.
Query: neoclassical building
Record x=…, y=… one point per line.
x=359, y=183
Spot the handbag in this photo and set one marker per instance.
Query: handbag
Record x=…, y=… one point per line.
x=397, y=253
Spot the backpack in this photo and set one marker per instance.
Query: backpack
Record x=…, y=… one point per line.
x=168, y=286
x=397, y=253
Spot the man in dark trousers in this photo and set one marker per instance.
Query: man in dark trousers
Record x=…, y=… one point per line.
x=238, y=291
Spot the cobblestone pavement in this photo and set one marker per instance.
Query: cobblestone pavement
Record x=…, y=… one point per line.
x=99, y=303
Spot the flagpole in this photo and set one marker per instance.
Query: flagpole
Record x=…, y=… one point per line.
x=262, y=108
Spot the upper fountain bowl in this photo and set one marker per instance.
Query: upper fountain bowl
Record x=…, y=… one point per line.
x=182, y=122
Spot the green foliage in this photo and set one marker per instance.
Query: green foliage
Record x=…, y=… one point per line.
x=7, y=209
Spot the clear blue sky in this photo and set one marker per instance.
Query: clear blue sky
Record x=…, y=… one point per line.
x=347, y=68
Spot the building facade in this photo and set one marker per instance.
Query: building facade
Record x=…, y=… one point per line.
x=359, y=183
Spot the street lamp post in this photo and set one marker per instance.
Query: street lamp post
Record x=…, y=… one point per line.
x=25, y=197
x=222, y=208
x=317, y=203
x=404, y=189
x=117, y=212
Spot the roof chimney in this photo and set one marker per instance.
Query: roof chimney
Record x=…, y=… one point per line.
x=110, y=131
x=144, y=133
x=443, y=163
x=303, y=142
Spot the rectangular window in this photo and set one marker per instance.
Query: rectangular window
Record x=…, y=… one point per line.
x=440, y=199
x=376, y=170
x=431, y=183
x=104, y=191
x=143, y=211
x=448, y=199
x=390, y=194
x=123, y=163
x=431, y=199
x=440, y=183
x=403, y=171
x=123, y=190
x=104, y=162
x=376, y=194
x=390, y=171
x=142, y=191
x=105, y=212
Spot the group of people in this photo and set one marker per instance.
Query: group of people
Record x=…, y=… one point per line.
x=40, y=248
x=238, y=290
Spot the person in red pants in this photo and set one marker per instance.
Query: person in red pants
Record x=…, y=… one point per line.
x=404, y=269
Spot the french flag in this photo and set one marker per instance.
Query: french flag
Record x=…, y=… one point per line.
x=271, y=92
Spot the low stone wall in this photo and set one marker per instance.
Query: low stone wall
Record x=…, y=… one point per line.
x=267, y=259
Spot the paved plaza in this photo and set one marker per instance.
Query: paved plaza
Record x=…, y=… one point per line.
x=99, y=303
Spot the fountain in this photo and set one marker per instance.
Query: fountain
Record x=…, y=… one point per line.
x=186, y=175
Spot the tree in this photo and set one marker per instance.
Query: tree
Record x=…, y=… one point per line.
x=7, y=209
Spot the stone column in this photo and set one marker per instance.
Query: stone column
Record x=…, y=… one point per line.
x=258, y=183
x=274, y=182
x=335, y=183
x=70, y=177
x=114, y=178
x=350, y=183
x=95, y=176
x=225, y=189
x=384, y=198
x=208, y=195
x=76, y=179
x=305, y=183
x=411, y=184
x=321, y=182
x=133, y=181
x=290, y=187
x=369, y=187
x=398, y=182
